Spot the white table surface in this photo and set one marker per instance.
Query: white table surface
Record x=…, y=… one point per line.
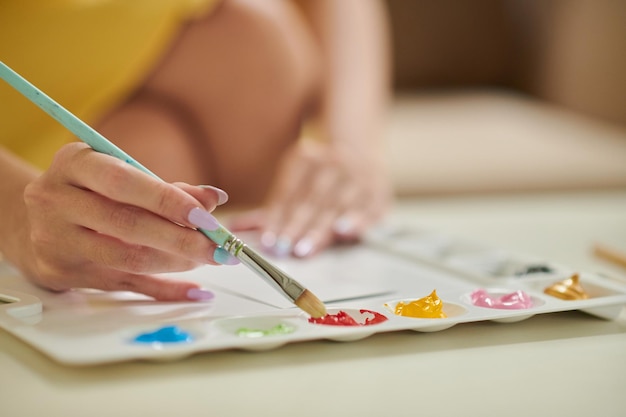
x=563, y=364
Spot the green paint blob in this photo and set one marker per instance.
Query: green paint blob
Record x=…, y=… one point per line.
x=274, y=331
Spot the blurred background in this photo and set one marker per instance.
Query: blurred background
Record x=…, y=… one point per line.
x=508, y=95
x=570, y=52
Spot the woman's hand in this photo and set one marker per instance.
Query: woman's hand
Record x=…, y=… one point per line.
x=334, y=188
x=322, y=194
x=97, y=222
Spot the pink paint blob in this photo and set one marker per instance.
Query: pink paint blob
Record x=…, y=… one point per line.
x=517, y=300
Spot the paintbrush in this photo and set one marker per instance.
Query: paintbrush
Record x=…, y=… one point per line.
x=610, y=254
x=289, y=287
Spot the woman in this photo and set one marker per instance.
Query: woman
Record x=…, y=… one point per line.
x=278, y=103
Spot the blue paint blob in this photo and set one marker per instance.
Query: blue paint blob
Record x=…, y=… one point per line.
x=166, y=334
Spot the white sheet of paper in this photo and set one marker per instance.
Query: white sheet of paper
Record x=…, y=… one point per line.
x=342, y=274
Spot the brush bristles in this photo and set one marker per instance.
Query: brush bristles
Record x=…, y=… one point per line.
x=310, y=304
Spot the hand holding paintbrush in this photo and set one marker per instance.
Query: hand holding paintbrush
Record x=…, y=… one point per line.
x=145, y=205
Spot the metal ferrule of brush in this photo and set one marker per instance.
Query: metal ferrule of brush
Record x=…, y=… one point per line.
x=274, y=276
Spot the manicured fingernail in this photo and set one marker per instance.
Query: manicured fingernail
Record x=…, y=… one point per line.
x=304, y=247
x=343, y=226
x=282, y=247
x=222, y=196
x=198, y=294
x=268, y=240
x=222, y=256
x=202, y=219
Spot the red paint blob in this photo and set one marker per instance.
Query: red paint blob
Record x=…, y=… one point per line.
x=378, y=318
x=344, y=319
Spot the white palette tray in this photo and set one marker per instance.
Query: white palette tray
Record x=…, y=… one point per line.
x=85, y=327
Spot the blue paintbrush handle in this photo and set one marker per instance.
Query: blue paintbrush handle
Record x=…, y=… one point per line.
x=81, y=129
x=86, y=133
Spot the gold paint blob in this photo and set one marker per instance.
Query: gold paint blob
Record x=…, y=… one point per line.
x=568, y=289
x=430, y=307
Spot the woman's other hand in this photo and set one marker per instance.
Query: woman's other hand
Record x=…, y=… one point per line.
x=323, y=194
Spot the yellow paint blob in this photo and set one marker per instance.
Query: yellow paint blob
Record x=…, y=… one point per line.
x=569, y=289
x=430, y=307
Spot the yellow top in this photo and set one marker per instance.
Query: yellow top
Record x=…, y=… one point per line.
x=85, y=54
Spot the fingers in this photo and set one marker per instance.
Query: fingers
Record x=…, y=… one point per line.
x=161, y=289
x=315, y=213
x=205, y=194
x=102, y=262
x=343, y=218
x=360, y=210
x=335, y=200
x=317, y=235
x=158, y=288
x=126, y=257
x=88, y=259
x=126, y=222
x=123, y=183
x=294, y=175
x=96, y=222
